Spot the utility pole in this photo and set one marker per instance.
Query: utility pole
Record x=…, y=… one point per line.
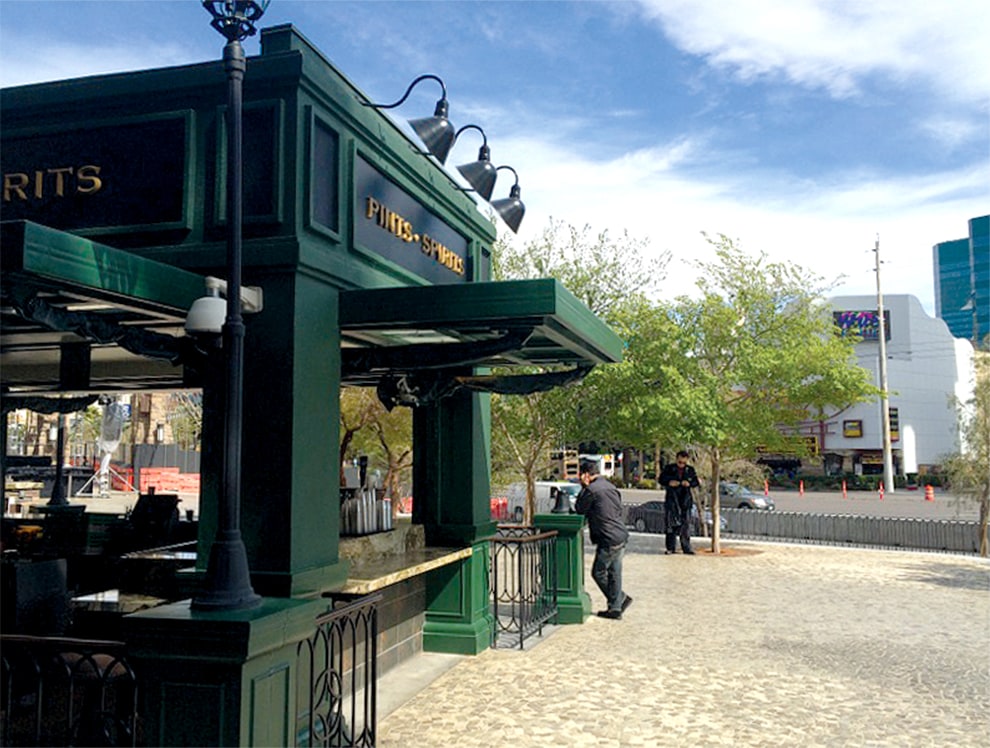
x=888, y=456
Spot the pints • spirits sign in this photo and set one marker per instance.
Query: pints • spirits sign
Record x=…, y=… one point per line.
x=391, y=224
x=121, y=175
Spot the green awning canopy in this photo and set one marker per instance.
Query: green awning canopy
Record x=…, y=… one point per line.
x=62, y=293
x=506, y=323
x=68, y=278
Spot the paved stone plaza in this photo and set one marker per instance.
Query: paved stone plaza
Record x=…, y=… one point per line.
x=768, y=645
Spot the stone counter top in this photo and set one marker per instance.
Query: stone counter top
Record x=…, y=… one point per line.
x=370, y=574
x=115, y=601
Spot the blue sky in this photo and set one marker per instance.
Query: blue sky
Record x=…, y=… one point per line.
x=804, y=128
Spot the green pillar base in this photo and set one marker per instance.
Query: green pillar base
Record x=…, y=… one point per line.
x=306, y=583
x=221, y=679
x=458, y=611
x=573, y=602
x=573, y=609
x=468, y=638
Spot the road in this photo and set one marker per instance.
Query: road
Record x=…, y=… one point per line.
x=903, y=503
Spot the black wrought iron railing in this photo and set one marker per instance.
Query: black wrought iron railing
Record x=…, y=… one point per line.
x=71, y=692
x=338, y=678
x=523, y=583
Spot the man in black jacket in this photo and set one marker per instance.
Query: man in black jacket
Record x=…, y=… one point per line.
x=679, y=478
x=601, y=503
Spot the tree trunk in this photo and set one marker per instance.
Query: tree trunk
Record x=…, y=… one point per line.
x=984, y=517
x=716, y=508
x=530, y=511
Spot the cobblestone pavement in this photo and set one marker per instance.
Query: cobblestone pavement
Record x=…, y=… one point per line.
x=768, y=645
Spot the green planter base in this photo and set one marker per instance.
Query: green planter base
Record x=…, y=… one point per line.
x=573, y=602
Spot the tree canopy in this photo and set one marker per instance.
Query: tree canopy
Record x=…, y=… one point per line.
x=969, y=469
x=730, y=369
x=607, y=274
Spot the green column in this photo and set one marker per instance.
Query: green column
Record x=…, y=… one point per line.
x=573, y=601
x=220, y=679
x=290, y=502
x=452, y=501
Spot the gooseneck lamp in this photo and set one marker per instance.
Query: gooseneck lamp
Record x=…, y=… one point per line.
x=479, y=174
x=436, y=132
x=227, y=585
x=511, y=208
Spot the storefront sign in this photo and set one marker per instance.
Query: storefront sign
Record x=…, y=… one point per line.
x=121, y=175
x=852, y=429
x=865, y=324
x=391, y=224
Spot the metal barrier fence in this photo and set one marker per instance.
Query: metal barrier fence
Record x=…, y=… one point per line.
x=952, y=536
x=58, y=691
x=338, y=668
x=522, y=583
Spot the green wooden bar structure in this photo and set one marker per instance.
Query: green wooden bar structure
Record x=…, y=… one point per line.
x=369, y=255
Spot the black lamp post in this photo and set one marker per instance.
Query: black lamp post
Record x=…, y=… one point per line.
x=228, y=581
x=58, y=498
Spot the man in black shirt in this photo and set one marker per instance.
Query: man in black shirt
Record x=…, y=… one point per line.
x=601, y=503
x=679, y=478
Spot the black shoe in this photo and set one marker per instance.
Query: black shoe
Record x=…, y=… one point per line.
x=668, y=553
x=689, y=552
x=614, y=615
x=626, y=603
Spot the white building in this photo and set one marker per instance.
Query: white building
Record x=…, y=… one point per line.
x=926, y=369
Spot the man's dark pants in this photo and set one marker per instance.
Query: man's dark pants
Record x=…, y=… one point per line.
x=607, y=573
x=684, y=532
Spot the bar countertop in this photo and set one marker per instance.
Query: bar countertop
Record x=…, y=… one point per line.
x=370, y=574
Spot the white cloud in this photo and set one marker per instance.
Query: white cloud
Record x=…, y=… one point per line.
x=23, y=65
x=952, y=132
x=829, y=229
x=833, y=45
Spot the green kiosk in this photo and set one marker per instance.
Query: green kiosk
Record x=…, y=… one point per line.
x=374, y=270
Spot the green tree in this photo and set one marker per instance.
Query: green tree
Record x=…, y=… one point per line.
x=393, y=431
x=969, y=469
x=367, y=428
x=605, y=273
x=730, y=369
x=184, y=412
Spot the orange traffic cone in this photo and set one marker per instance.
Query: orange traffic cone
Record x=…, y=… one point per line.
x=801, y=488
x=844, y=494
x=881, y=490
x=766, y=488
x=929, y=493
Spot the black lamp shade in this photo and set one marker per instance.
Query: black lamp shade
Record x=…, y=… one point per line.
x=511, y=209
x=481, y=176
x=437, y=135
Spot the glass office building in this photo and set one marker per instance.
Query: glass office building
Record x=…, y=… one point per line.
x=962, y=282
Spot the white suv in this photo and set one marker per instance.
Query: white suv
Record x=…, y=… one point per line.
x=546, y=497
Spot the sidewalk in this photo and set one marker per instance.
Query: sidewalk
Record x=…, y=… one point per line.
x=768, y=645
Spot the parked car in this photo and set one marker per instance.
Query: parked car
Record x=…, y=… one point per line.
x=649, y=517
x=735, y=496
x=546, y=496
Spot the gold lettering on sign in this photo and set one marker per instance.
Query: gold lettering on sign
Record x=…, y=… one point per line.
x=14, y=184
x=402, y=228
x=57, y=181
x=88, y=179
